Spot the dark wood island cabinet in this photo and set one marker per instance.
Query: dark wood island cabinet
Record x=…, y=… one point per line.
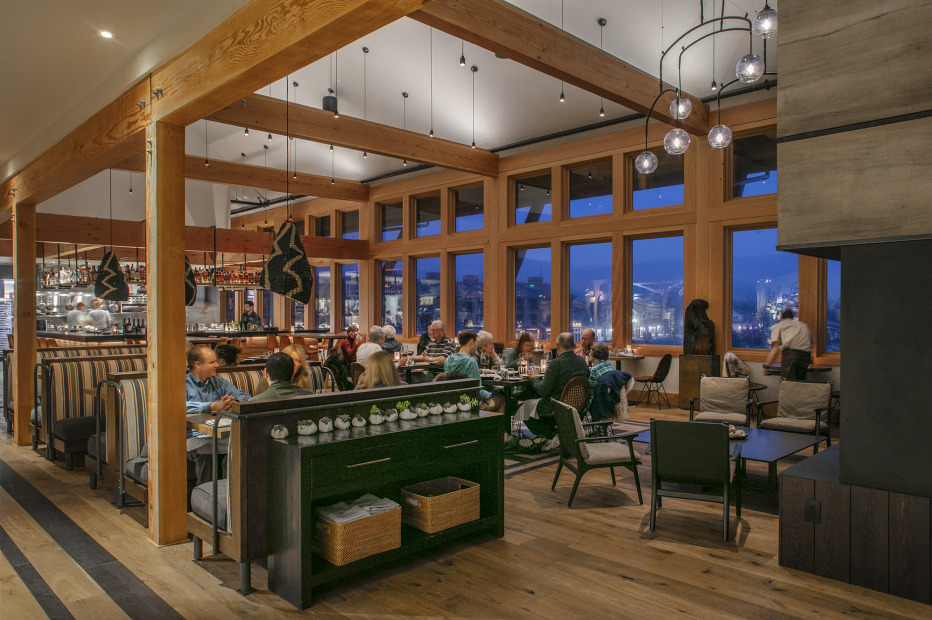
x=308, y=472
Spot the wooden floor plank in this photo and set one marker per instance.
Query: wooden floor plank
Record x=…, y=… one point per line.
x=16, y=600
x=597, y=559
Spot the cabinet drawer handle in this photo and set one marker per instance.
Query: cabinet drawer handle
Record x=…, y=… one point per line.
x=388, y=458
x=459, y=445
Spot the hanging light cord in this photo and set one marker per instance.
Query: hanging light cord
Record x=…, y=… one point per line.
x=111, y=209
x=287, y=154
x=431, y=82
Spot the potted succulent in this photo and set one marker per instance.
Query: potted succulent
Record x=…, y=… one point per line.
x=404, y=410
x=279, y=431
x=375, y=415
x=435, y=408
x=465, y=403
x=342, y=422
x=325, y=425
x=421, y=410
x=391, y=415
x=358, y=420
x=306, y=427
x=449, y=408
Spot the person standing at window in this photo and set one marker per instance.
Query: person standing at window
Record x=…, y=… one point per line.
x=793, y=340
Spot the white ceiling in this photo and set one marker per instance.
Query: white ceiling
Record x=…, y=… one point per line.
x=512, y=102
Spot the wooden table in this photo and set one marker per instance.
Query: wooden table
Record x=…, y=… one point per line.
x=408, y=368
x=508, y=388
x=618, y=359
x=198, y=422
x=774, y=369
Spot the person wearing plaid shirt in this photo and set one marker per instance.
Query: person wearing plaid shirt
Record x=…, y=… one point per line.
x=600, y=366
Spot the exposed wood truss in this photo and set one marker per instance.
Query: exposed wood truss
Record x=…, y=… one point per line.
x=260, y=177
x=505, y=29
x=267, y=114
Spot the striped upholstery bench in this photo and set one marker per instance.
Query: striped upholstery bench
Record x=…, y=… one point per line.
x=67, y=400
x=130, y=415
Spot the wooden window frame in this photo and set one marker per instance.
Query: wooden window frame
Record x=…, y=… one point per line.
x=565, y=204
x=451, y=191
x=556, y=209
x=728, y=171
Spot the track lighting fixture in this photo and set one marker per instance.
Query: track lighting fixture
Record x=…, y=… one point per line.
x=270, y=137
x=462, y=53
x=246, y=131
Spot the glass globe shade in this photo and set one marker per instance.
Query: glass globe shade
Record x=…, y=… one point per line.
x=719, y=137
x=676, y=142
x=680, y=107
x=750, y=68
x=764, y=24
x=646, y=162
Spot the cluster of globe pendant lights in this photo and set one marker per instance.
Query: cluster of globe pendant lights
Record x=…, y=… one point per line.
x=748, y=70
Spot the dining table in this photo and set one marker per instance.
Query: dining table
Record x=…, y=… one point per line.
x=618, y=359
x=509, y=387
x=774, y=368
x=198, y=422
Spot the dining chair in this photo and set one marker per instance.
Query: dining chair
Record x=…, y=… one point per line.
x=696, y=455
x=272, y=343
x=802, y=407
x=284, y=341
x=580, y=454
x=722, y=400
x=654, y=382
x=356, y=370
x=576, y=393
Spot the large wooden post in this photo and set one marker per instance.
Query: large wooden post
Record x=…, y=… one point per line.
x=165, y=315
x=24, y=317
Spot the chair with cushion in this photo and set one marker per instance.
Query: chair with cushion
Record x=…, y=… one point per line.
x=320, y=375
x=576, y=393
x=696, y=455
x=654, y=382
x=733, y=366
x=591, y=452
x=802, y=407
x=356, y=370
x=723, y=400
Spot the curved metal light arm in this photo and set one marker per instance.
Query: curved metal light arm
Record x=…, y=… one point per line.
x=663, y=55
x=647, y=119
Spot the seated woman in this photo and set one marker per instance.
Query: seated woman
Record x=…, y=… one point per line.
x=524, y=348
x=485, y=352
x=380, y=373
x=227, y=354
x=302, y=373
x=391, y=344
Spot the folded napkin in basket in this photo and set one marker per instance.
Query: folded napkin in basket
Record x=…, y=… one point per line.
x=367, y=505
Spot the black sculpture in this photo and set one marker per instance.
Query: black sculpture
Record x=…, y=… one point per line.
x=190, y=285
x=699, y=330
x=287, y=271
x=110, y=284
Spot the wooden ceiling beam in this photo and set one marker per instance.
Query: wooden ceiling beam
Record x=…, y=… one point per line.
x=71, y=229
x=109, y=136
x=267, y=114
x=260, y=177
x=503, y=28
x=263, y=42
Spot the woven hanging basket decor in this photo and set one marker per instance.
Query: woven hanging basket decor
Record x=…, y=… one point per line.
x=110, y=284
x=287, y=271
x=190, y=286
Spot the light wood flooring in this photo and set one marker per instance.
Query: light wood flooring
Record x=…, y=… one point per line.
x=596, y=560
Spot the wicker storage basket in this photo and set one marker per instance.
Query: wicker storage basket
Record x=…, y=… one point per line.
x=440, y=504
x=342, y=543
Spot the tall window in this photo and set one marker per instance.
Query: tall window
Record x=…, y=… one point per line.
x=322, y=226
x=268, y=308
x=590, y=287
x=657, y=291
x=468, y=291
x=468, y=209
x=322, y=298
x=392, y=294
x=591, y=190
x=350, y=288
x=297, y=314
x=427, y=216
x=229, y=299
x=755, y=165
x=392, y=221
x=833, y=306
x=532, y=199
x=763, y=283
x=532, y=292
x=350, y=224
x=661, y=188
x=427, y=274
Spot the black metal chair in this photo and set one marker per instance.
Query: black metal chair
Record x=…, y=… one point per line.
x=684, y=453
x=591, y=452
x=654, y=382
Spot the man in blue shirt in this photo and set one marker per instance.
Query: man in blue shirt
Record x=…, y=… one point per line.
x=205, y=392
x=462, y=362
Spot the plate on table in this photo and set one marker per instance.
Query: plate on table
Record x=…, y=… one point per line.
x=737, y=434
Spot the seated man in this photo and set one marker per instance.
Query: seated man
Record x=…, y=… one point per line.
x=564, y=367
x=462, y=362
x=372, y=345
x=586, y=339
x=279, y=370
x=440, y=346
x=206, y=392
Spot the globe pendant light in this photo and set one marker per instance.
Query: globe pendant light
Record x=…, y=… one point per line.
x=646, y=162
x=680, y=107
x=764, y=24
x=719, y=137
x=750, y=68
x=676, y=141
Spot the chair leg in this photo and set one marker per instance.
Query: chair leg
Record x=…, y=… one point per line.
x=245, y=578
x=726, y=511
x=198, y=548
x=664, y=395
x=612, y=469
x=93, y=479
x=654, y=504
x=579, y=476
x=69, y=461
x=557, y=475
x=637, y=483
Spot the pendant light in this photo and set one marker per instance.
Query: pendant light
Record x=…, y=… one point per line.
x=294, y=170
x=601, y=22
x=110, y=284
x=474, y=70
x=431, y=134
x=404, y=118
x=462, y=53
x=562, y=96
x=365, y=90
x=206, y=158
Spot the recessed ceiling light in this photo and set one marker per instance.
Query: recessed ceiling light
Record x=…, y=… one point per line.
x=106, y=34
